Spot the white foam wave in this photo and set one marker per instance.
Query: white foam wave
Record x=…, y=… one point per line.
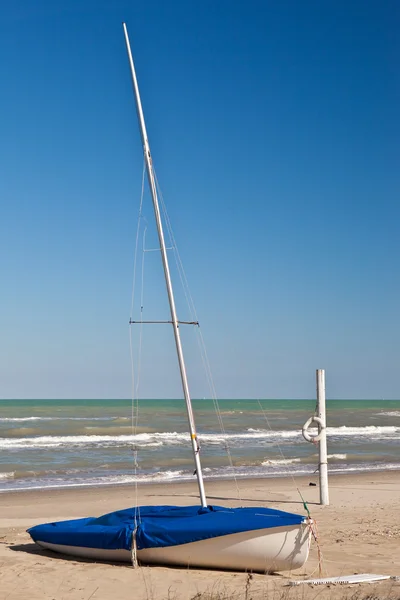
x=23, y=419
x=280, y=461
x=158, y=477
x=141, y=439
x=7, y=475
x=343, y=430
x=174, y=438
x=48, y=441
x=360, y=468
x=245, y=472
x=337, y=456
x=154, y=444
x=391, y=413
x=368, y=430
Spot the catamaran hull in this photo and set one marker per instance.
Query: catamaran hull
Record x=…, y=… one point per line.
x=263, y=550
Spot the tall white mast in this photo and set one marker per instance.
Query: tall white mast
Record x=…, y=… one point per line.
x=174, y=318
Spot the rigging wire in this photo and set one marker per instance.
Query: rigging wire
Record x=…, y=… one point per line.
x=202, y=349
x=285, y=465
x=312, y=522
x=134, y=383
x=199, y=337
x=141, y=319
x=140, y=216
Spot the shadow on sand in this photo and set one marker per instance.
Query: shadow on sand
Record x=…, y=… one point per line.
x=235, y=499
x=36, y=550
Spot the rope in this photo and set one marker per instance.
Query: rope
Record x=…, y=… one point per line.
x=134, y=549
x=314, y=531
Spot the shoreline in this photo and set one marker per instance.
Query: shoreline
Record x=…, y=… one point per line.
x=208, y=481
x=275, y=487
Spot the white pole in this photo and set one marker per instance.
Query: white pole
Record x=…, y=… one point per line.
x=323, y=451
x=174, y=318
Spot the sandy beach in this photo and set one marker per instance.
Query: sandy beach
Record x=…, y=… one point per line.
x=358, y=533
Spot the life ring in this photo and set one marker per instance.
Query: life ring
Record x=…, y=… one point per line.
x=313, y=438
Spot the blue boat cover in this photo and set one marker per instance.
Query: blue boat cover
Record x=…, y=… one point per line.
x=159, y=526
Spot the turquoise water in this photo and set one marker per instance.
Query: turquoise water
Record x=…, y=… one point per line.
x=57, y=443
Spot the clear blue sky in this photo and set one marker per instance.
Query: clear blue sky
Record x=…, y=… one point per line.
x=275, y=131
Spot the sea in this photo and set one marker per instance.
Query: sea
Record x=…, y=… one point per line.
x=75, y=443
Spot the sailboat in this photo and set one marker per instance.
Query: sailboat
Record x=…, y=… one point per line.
x=248, y=538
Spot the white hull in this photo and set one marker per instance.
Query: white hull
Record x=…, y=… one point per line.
x=263, y=550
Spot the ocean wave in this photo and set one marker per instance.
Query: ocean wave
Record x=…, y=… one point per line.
x=337, y=456
x=368, y=430
x=367, y=467
x=173, y=438
x=48, y=441
x=38, y=483
x=141, y=439
x=280, y=461
x=246, y=472
x=22, y=419
x=343, y=430
x=108, y=472
x=391, y=413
